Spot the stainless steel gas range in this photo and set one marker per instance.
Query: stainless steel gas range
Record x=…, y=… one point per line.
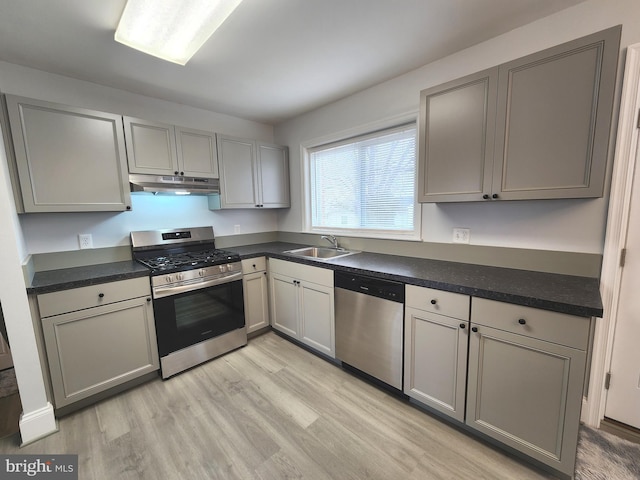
x=197, y=295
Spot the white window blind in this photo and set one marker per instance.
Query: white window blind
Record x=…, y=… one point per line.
x=365, y=183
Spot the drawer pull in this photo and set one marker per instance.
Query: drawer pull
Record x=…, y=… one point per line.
x=434, y=301
x=474, y=329
x=101, y=295
x=522, y=321
x=462, y=325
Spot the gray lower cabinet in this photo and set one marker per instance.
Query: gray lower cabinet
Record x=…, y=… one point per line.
x=525, y=379
x=436, y=337
x=534, y=128
x=252, y=174
x=302, y=304
x=513, y=373
x=284, y=304
x=256, y=294
x=68, y=159
x=98, y=337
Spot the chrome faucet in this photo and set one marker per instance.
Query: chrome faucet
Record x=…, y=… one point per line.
x=331, y=239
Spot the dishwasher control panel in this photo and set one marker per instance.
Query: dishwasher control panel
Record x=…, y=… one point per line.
x=376, y=287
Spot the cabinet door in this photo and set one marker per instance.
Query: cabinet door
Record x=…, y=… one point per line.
x=92, y=350
x=435, y=365
x=197, y=153
x=526, y=393
x=317, y=317
x=68, y=159
x=256, y=301
x=151, y=147
x=284, y=304
x=238, y=182
x=553, y=120
x=456, y=139
x=273, y=161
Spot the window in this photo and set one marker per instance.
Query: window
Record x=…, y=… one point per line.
x=365, y=185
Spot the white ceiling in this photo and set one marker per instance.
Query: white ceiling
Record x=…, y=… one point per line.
x=272, y=59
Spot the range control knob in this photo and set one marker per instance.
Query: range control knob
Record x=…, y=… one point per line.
x=201, y=272
x=222, y=268
x=180, y=276
x=229, y=267
x=168, y=279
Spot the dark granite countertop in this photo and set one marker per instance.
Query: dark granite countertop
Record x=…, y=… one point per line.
x=66, y=278
x=560, y=293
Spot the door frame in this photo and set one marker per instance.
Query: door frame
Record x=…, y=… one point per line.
x=627, y=143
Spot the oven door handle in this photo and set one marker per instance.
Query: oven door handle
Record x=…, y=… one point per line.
x=160, y=292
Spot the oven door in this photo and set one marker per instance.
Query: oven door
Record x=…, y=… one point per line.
x=190, y=317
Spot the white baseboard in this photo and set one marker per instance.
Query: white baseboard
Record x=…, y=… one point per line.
x=37, y=424
x=584, y=413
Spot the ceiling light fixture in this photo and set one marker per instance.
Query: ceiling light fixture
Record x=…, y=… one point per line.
x=173, y=30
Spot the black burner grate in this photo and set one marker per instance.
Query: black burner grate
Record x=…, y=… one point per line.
x=187, y=260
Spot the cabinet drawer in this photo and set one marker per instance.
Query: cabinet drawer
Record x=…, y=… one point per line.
x=56, y=303
x=321, y=276
x=251, y=265
x=559, y=328
x=454, y=305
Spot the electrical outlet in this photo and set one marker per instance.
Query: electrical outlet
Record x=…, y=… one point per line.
x=236, y=229
x=85, y=240
x=461, y=235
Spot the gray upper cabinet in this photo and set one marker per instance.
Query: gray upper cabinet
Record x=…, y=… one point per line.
x=162, y=149
x=534, y=128
x=273, y=161
x=457, y=127
x=197, y=152
x=554, y=120
x=68, y=159
x=253, y=174
x=151, y=147
x=238, y=170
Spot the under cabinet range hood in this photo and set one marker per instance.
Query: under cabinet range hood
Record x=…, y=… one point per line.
x=177, y=185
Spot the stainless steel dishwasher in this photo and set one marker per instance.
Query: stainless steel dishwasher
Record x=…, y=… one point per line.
x=369, y=325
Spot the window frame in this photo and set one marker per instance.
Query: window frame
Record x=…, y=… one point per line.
x=352, y=136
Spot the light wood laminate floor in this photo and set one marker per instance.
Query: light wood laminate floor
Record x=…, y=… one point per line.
x=270, y=410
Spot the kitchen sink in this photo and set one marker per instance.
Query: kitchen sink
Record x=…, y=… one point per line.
x=320, y=253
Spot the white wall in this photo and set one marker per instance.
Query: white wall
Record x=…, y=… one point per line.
x=561, y=225
x=37, y=417
x=59, y=232
x=46, y=232
x=19, y=80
